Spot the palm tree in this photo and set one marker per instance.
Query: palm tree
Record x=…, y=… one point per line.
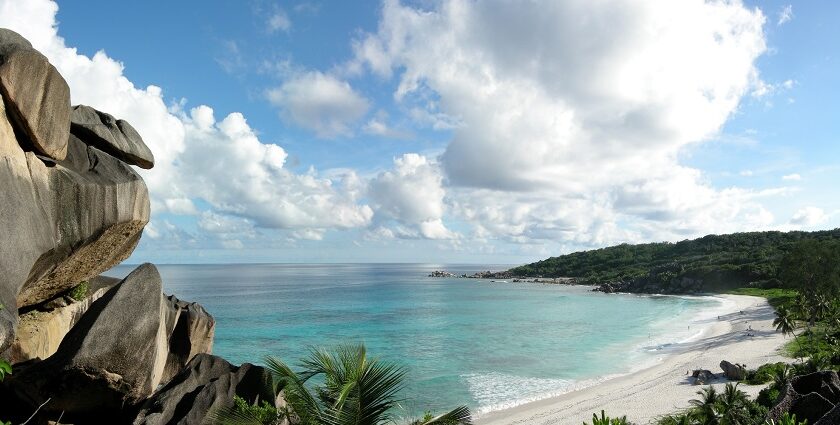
x=784, y=321
x=732, y=406
x=705, y=409
x=782, y=376
x=356, y=390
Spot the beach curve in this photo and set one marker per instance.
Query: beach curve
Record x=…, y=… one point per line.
x=663, y=388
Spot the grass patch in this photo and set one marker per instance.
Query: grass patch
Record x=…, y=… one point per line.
x=80, y=291
x=775, y=296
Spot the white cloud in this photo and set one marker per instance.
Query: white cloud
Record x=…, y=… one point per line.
x=808, y=217
x=785, y=15
x=237, y=174
x=763, y=89
x=279, y=21
x=747, y=173
x=223, y=163
x=412, y=193
x=378, y=126
x=565, y=136
x=792, y=177
x=319, y=102
x=180, y=206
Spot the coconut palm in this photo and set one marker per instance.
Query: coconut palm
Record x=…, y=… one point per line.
x=704, y=409
x=732, y=406
x=784, y=321
x=355, y=389
x=782, y=376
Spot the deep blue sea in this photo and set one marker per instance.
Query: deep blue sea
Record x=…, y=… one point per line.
x=486, y=344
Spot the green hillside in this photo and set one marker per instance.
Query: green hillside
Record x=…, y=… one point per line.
x=718, y=261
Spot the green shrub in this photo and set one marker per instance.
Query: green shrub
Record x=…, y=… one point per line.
x=80, y=291
x=606, y=420
x=264, y=413
x=787, y=419
x=764, y=374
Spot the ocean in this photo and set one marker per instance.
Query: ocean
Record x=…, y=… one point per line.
x=489, y=345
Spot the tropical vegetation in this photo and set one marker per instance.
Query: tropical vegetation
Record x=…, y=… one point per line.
x=721, y=261
x=352, y=388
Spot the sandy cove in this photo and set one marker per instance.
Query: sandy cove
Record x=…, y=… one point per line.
x=664, y=388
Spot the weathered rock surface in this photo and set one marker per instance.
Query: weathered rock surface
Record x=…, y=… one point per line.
x=830, y=418
x=207, y=383
x=40, y=332
x=64, y=222
x=703, y=376
x=37, y=96
x=809, y=397
x=116, y=137
x=190, y=330
x=114, y=357
x=11, y=40
x=733, y=372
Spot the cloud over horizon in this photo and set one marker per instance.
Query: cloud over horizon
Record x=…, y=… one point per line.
x=550, y=134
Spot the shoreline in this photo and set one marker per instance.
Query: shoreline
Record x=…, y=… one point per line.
x=663, y=388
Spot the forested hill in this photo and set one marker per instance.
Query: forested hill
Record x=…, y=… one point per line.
x=715, y=261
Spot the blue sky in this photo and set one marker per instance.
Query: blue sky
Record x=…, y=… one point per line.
x=456, y=131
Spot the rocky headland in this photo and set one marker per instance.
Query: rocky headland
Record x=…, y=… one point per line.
x=83, y=347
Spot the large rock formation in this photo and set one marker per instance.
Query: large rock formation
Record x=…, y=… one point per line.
x=733, y=372
x=207, y=384
x=130, y=340
x=114, y=356
x=72, y=207
x=65, y=221
x=117, y=137
x=40, y=331
x=190, y=332
x=37, y=96
x=810, y=397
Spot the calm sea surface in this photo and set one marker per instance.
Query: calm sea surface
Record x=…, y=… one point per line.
x=464, y=341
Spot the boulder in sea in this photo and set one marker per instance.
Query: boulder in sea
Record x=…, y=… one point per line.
x=116, y=137
x=36, y=95
x=733, y=372
x=207, y=384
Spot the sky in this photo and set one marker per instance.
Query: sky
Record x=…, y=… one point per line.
x=456, y=131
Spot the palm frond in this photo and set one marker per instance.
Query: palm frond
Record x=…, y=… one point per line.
x=460, y=415
x=304, y=405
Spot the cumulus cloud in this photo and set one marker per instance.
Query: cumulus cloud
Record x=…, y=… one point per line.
x=319, y=102
x=223, y=163
x=808, y=217
x=412, y=194
x=554, y=124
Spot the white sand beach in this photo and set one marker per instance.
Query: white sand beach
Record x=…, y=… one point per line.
x=665, y=387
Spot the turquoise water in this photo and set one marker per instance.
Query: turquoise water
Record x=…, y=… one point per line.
x=464, y=341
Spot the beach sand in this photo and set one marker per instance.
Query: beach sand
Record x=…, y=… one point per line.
x=665, y=388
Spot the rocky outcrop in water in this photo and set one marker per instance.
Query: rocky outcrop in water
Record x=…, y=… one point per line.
x=84, y=347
